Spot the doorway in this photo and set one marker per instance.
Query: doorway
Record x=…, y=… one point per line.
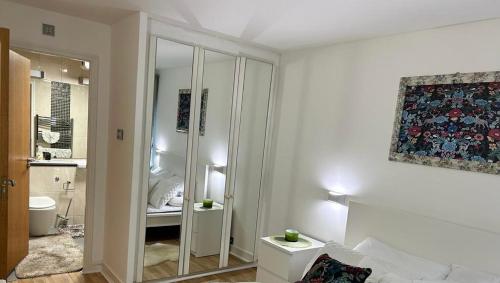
x=59, y=94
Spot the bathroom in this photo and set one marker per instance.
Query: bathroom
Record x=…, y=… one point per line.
x=59, y=113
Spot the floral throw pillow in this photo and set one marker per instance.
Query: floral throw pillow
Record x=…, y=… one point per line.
x=328, y=270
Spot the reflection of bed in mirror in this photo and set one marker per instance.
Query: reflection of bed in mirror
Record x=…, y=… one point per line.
x=166, y=191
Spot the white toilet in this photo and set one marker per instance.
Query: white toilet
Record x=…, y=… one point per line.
x=42, y=215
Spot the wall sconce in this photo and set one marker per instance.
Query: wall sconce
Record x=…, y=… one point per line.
x=209, y=169
x=218, y=168
x=160, y=150
x=338, y=198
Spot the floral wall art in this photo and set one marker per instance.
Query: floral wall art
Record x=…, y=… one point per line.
x=450, y=121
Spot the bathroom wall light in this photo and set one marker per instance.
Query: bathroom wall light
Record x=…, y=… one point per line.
x=37, y=74
x=338, y=198
x=83, y=81
x=85, y=65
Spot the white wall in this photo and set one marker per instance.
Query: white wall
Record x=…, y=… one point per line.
x=335, y=125
x=128, y=42
x=74, y=37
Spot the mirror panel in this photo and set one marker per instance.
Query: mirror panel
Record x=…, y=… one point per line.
x=213, y=142
x=249, y=162
x=171, y=104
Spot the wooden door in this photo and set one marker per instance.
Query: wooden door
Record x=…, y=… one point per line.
x=14, y=153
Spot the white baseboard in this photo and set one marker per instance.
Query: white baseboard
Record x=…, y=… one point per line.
x=95, y=268
x=109, y=275
x=241, y=253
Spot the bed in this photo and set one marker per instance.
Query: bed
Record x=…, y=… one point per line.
x=444, y=251
x=165, y=216
x=165, y=186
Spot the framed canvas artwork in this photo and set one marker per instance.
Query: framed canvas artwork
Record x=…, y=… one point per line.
x=183, y=111
x=450, y=121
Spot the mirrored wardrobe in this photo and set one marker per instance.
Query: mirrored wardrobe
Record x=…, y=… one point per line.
x=208, y=122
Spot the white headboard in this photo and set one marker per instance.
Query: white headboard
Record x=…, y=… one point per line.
x=431, y=238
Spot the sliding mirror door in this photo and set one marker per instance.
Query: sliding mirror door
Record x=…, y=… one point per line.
x=208, y=200
x=169, y=141
x=249, y=162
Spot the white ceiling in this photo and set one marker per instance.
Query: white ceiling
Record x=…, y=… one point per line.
x=288, y=24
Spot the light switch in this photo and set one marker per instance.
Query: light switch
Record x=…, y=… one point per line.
x=119, y=134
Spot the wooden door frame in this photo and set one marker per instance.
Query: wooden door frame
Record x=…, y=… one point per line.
x=88, y=265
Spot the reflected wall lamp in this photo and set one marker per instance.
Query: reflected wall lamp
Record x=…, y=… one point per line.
x=339, y=198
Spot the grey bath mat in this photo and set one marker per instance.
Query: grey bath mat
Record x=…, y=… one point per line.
x=76, y=231
x=51, y=255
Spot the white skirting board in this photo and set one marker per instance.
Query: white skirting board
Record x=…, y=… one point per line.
x=109, y=275
x=95, y=268
x=240, y=253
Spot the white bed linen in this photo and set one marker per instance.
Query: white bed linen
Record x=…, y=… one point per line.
x=165, y=209
x=380, y=268
x=393, y=278
x=383, y=271
x=462, y=274
x=425, y=268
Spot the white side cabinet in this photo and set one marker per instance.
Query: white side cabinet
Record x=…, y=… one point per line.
x=279, y=264
x=207, y=227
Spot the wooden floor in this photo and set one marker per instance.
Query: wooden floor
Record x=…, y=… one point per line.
x=76, y=277
x=246, y=275
x=168, y=269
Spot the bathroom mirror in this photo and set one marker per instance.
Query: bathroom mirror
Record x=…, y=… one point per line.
x=249, y=162
x=209, y=197
x=173, y=72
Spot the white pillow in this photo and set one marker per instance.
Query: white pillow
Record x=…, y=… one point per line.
x=427, y=269
x=165, y=190
x=393, y=278
x=338, y=252
x=381, y=267
x=462, y=274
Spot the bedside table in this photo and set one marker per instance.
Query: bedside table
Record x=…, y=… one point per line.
x=279, y=264
x=207, y=227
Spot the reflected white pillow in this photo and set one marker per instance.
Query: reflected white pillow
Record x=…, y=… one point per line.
x=165, y=190
x=338, y=252
x=426, y=269
x=156, y=175
x=462, y=274
x=176, y=201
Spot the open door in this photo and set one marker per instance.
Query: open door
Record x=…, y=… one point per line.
x=14, y=153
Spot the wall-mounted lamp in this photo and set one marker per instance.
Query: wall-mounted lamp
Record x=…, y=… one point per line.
x=160, y=150
x=85, y=65
x=210, y=178
x=338, y=198
x=218, y=168
x=37, y=74
x=83, y=81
